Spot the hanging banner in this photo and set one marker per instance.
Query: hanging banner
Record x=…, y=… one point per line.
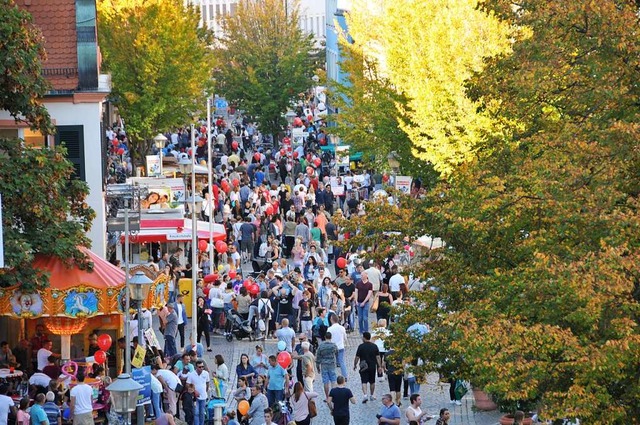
x=138, y=356
x=403, y=184
x=153, y=165
x=143, y=377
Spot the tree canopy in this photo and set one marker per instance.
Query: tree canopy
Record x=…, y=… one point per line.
x=22, y=85
x=44, y=209
x=263, y=61
x=536, y=298
x=428, y=51
x=160, y=64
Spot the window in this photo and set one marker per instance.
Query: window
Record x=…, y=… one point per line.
x=203, y=13
x=211, y=15
x=224, y=8
x=232, y=9
x=34, y=139
x=72, y=136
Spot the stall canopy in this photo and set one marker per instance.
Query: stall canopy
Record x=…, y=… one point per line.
x=175, y=229
x=72, y=292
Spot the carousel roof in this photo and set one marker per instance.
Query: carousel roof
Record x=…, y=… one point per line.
x=64, y=276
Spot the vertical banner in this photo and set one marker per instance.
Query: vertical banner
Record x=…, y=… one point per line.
x=143, y=377
x=1, y=237
x=403, y=184
x=153, y=165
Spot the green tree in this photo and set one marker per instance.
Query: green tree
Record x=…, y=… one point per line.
x=537, y=297
x=160, y=64
x=44, y=210
x=428, y=51
x=369, y=117
x=263, y=61
x=22, y=86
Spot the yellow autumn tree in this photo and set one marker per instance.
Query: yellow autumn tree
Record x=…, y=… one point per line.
x=429, y=49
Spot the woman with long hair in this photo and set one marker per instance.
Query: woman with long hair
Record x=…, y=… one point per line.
x=203, y=323
x=300, y=404
x=245, y=370
x=385, y=300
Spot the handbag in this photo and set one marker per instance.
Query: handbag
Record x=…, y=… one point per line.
x=313, y=409
x=374, y=307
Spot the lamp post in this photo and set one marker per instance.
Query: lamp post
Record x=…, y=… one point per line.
x=194, y=200
x=159, y=141
x=124, y=395
x=185, y=166
x=394, y=164
x=334, y=139
x=210, y=206
x=138, y=291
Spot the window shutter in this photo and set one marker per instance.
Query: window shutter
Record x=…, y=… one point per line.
x=72, y=137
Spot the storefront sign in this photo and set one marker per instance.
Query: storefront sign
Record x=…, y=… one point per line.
x=143, y=377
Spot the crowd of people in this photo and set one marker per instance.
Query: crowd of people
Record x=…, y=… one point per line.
x=280, y=276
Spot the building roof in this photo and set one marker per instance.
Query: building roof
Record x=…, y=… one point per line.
x=56, y=19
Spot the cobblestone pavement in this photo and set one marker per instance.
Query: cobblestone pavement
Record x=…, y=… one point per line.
x=435, y=395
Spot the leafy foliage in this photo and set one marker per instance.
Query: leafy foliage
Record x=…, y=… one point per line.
x=22, y=85
x=44, y=211
x=537, y=297
x=160, y=63
x=369, y=117
x=263, y=61
x=428, y=51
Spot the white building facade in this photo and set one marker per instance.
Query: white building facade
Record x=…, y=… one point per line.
x=312, y=15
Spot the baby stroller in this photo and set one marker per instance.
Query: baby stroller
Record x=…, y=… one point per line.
x=236, y=326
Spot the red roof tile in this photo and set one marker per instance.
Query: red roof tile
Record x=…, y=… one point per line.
x=57, y=21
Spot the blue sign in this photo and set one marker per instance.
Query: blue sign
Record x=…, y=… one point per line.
x=221, y=103
x=142, y=376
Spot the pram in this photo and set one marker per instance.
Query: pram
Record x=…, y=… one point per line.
x=236, y=326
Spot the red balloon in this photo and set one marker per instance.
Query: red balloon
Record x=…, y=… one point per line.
x=211, y=278
x=121, y=151
x=341, y=262
x=297, y=122
x=253, y=289
x=232, y=274
x=295, y=155
x=284, y=359
x=222, y=247
x=317, y=162
x=282, y=152
x=286, y=140
x=115, y=143
x=309, y=118
x=269, y=210
x=236, y=182
x=256, y=156
x=234, y=144
x=100, y=356
x=202, y=246
x=247, y=283
x=104, y=342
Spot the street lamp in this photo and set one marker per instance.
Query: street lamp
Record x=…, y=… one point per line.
x=334, y=139
x=185, y=165
x=124, y=395
x=138, y=287
x=159, y=141
x=290, y=116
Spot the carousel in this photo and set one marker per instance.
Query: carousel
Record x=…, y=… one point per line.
x=76, y=303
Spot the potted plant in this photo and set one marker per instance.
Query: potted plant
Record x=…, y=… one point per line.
x=483, y=401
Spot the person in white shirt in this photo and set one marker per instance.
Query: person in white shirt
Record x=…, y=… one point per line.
x=414, y=412
x=6, y=405
x=81, y=407
x=44, y=353
x=181, y=322
x=200, y=380
x=170, y=382
x=394, y=283
x=40, y=379
x=375, y=277
x=338, y=337
x=156, y=396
